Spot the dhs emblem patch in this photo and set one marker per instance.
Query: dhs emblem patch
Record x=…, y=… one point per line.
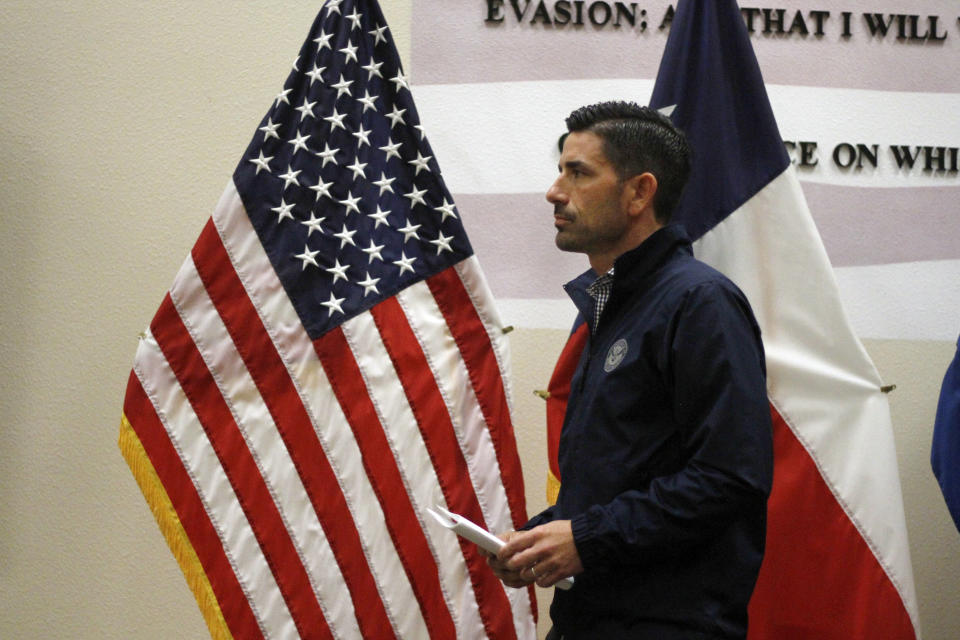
x=615, y=355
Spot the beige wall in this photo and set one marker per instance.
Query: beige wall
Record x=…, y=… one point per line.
x=121, y=123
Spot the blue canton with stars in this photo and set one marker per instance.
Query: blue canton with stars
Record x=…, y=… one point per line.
x=340, y=182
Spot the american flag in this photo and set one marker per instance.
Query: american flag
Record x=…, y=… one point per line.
x=327, y=364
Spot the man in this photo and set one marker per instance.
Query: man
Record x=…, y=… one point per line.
x=666, y=452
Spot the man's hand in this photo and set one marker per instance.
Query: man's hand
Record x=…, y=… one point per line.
x=509, y=577
x=545, y=555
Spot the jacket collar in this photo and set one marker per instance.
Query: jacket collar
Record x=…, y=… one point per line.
x=631, y=267
x=636, y=264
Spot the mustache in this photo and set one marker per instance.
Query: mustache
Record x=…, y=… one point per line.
x=560, y=212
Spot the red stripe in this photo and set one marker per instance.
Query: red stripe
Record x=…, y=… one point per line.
x=380, y=466
x=819, y=578
x=241, y=470
x=190, y=510
x=439, y=435
x=559, y=389
x=293, y=423
x=478, y=354
x=471, y=337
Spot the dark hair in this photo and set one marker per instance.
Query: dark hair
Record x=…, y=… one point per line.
x=639, y=139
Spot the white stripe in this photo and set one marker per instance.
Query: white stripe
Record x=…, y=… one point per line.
x=214, y=489
x=482, y=298
x=409, y=453
x=453, y=380
x=332, y=429
x=824, y=115
x=266, y=446
x=538, y=313
x=523, y=160
x=819, y=375
x=906, y=301
x=476, y=286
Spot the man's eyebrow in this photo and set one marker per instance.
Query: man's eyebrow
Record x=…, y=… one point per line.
x=572, y=164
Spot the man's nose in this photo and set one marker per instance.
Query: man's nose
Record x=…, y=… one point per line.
x=555, y=194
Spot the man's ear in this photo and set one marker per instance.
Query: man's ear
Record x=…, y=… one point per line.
x=639, y=192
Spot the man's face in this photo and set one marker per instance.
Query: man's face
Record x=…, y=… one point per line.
x=587, y=198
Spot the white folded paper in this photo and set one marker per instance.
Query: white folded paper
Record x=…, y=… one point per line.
x=477, y=535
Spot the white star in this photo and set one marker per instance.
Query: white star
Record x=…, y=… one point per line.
x=306, y=109
x=357, y=168
x=391, y=149
x=350, y=203
x=400, y=80
x=283, y=211
x=396, y=116
x=333, y=5
x=270, y=130
x=296, y=64
x=374, y=251
x=282, y=97
x=346, y=236
x=416, y=196
x=313, y=224
x=363, y=136
x=370, y=284
x=378, y=35
x=323, y=41
x=343, y=87
x=405, y=263
x=351, y=52
x=420, y=129
x=290, y=176
x=300, y=142
x=327, y=154
x=447, y=209
x=409, y=231
x=420, y=162
x=308, y=257
x=262, y=163
x=333, y=304
x=355, y=19
x=380, y=217
x=322, y=188
x=373, y=69
x=316, y=74
x=339, y=271
x=367, y=101
x=384, y=183
x=336, y=120
x=442, y=242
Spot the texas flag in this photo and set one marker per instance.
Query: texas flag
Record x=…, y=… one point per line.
x=837, y=563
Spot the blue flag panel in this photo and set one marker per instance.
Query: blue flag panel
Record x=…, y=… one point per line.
x=945, y=454
x=733, y=156
x=340, y=182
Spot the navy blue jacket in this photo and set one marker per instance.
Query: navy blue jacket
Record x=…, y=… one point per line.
x=665, y=454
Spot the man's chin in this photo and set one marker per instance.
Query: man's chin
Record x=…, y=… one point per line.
x=565, y=243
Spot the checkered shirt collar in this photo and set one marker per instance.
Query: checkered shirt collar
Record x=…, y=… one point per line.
x=600, y=290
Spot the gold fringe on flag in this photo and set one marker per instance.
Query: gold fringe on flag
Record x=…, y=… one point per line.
x=553, y=488
x=171, y=528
